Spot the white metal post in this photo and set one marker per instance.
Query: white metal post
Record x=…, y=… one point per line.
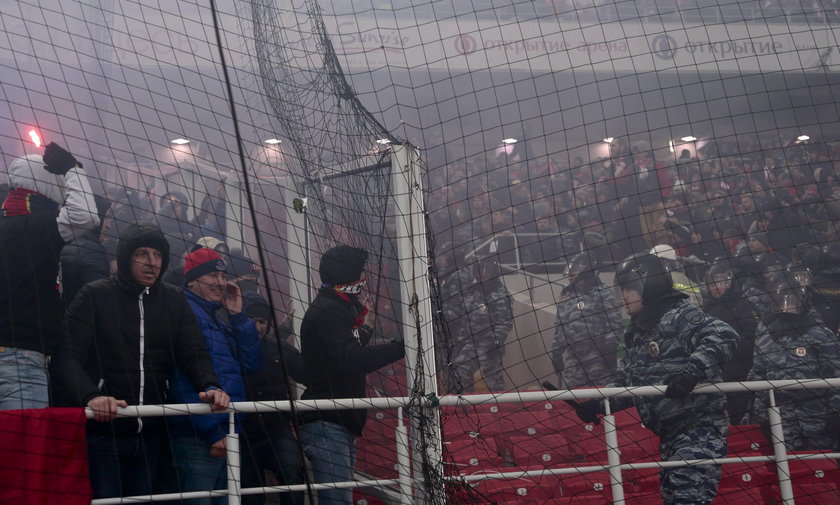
x=416, y=306
x=613, y=456
x=297, y=248
x=403, y=459
x=234, y=462
x=780, y=451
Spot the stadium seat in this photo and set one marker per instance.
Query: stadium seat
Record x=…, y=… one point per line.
x=360, y=498
x=381, y=425
x=648, y=497
x=742, y=496
x=512, y=491
x=469, y=455
x=587, y=485
x=379, y=461
x=539, y=452
x=816, y=481
x=748, y=440
x=747, y=483
x=641, y=482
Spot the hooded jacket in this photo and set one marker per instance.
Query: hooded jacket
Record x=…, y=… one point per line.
x=31, y=310
x=235, y=352
x=124, y=340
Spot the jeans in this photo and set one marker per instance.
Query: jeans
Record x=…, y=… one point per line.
x=23, y=379
x=197, y=470
x=278, y=454
x=122, y=466
x=331, y=450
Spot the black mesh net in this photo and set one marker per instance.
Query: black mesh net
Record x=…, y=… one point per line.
x=555, y=140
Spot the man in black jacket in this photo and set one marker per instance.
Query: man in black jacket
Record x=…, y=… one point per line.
x=50, y=203
x=124, y=336
x=334, y=344
x=269, y=442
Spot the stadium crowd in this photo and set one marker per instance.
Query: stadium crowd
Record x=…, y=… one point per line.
x=739, y=228
x=744, y=231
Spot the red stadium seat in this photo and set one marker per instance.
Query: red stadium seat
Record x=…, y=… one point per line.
x=815, y=481
x=748, y=440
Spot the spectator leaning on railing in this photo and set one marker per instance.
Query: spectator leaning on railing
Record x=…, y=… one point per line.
x=199, y=441
x=124, y=335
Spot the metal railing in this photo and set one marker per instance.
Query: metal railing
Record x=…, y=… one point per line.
x=614, y=466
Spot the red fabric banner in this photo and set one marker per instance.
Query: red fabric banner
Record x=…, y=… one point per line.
x=43, y=457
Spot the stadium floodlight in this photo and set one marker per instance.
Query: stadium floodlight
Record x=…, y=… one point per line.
x=609, y=140
x=179, y=141
x=509, y=141
x=803, y=138
x=689, y=138
x=383, y=141
x=272, y=142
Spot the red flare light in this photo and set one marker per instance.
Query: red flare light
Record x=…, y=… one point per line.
x=36, y=139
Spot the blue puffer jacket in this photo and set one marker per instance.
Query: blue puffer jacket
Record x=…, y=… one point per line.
x=235, y=351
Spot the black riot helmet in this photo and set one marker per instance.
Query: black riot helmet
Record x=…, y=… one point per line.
x=768, y=264
x=582, y=271
x=580, y=265
x=787, y=295
x=646, y=274
x=800, y=273
x=720, y=274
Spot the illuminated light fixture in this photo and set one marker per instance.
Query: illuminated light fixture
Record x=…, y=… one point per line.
x=383, y=142
x=690, y=138
x=272, y=142
x=179, y=141
x=609, y=140
x=509, y=141
x=803, y=138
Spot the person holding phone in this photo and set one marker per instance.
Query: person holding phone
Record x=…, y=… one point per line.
x=198, y=442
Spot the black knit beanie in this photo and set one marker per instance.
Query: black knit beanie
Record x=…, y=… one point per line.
x=342, y=265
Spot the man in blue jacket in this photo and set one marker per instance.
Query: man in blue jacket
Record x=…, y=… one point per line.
x=198, y=441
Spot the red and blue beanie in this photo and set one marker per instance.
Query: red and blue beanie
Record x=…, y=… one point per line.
x=202, y=261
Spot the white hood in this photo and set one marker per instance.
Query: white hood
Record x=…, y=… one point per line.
x=28, y=172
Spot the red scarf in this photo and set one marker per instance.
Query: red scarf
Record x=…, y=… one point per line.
x=359, y=320
x=22, y=202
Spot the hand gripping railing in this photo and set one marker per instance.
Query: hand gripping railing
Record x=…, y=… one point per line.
x=614, y=466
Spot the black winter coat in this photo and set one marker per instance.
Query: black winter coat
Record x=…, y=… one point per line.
x=271, y=383
x=30, y=305
x=338, y=357
x=735, y=309
x=116, y=333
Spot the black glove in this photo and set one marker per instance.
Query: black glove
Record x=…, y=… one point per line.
x=680, y=385
x=58, y=160
x=588, y=411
